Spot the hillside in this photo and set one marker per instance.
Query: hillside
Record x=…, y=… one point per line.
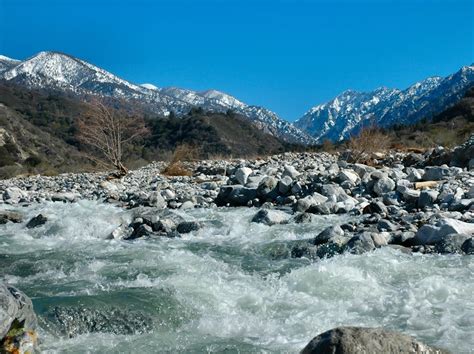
x=39, y=134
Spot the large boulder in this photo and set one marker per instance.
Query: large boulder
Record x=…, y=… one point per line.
x=333, y=234
x=235, y=195
x=436, y=173
x=270, y=217
x=355, y=340
x=242, y=174
x=433, y=234
x=309, y=202
x=12, y=216
x=384, y=185
x=17, y=322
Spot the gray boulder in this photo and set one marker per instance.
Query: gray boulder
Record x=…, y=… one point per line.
x=432, y=234
x=468, y=246
x=384, y=185
x=332, y=233
x=13, y=195
x=360, y=243
x=284, y=185
x=436, y=173
x=17, y=322
x=334, y=192
x=355, y=340
x=427, y=198
x=242, y=174
x=451, y=243
x=157, y=200
x=266, y=186
x=12, y=216
x=186, y=227
x=270, y=217
x=38, y=220
x=235, y=195
x=290, y=171
x=310, y=201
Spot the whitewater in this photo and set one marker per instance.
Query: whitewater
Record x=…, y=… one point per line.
x=228, y=287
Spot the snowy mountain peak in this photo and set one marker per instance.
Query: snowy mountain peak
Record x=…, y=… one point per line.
x=351, y=110
x=58, y=71
x=149, y=86
x=7, y=59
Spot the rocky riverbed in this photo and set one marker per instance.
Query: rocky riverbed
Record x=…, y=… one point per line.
x=247, y=254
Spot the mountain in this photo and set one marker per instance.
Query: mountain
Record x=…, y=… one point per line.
x=347, y=113
x=57, y=71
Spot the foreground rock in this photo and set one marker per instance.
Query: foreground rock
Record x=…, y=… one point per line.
x=355, y=340
x=17, y=322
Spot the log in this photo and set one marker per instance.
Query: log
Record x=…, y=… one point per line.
x=426, y=184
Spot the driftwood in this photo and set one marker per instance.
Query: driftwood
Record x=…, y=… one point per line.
x=426, y=184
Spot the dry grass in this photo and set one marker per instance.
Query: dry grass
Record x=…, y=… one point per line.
x=369, y=141
x=181, y=154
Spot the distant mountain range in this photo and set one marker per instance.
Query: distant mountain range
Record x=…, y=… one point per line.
x=335, y=120
x=52, y=70
x=351, y=110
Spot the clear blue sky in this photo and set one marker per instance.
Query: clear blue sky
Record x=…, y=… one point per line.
x=284, y=55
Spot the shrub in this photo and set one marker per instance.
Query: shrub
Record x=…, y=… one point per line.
x=369, y=141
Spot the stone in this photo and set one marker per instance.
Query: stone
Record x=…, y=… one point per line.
x=18, y=324
x=432, y=234
x=360, y=243
x=168, y=194
x=12, y=216
x=38, y=220
x=451, y=243
x=348, y=176
x=186, y=227
x=270, y=217
x=123, y=232
x=139, y=231
x=409, y=195
x=64, y=197
x=304, y=218
x=468, y=246
x=384, y=185
x=266, y=186
x=427, y=198
x=309, y=202
x=355, y=340
x=386, y=225
x=156, y=200
x=290, y=171
x=13, y=195
x=436, y=173
x=284, y=185
x=375, y=207
x=187, y=205
x=334, y=192
x=235, y=195
x=242, y=174
x=334, y=234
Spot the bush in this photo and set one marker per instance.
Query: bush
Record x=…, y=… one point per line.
x=181, y=153
x=369, y=141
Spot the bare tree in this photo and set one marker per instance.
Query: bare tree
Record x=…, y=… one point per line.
x=108, y=131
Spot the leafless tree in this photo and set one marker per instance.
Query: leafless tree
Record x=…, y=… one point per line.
x=108, y=130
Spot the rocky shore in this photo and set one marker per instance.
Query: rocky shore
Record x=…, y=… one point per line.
x=411, y=201
x=408, y=201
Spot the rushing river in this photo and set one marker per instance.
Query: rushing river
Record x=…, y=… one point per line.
x=227, y=287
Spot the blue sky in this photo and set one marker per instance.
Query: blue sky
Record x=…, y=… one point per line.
x=284, y=55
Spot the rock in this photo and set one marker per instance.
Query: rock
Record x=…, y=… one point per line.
x=13, y=195
x=436, y=173
x=290, y=171
x=187, y=205
x=142, y=230
x=270, y=217
x=310, y=202
x=123, y=232
x=451, y=243
x=38, y=220
x=284, y=185
x=384, y=185
x=360, y=243
x=380, y=239
x=17, y=322
x=334, y=192
x=427, y=198
x=266, y=186
x=235, y=195
x=164, y=225
x=168, y=194
x=409, y=195
x=348, y=176
x=432, y=234
x=242, y=174
x=332, y=233
x=156, y=200
x=355, y=340
x=13, y=216
x=375, y=207
x=303, y=218
x=468, y=246
x=64, y=197
x=385, y=225
x=186, y=227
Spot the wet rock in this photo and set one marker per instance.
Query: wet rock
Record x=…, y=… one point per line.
x=334, y=234
x=303, y=218
x=468, y=246
x=38, y=220
x=310, y=202
x=123, y=232
x=451, y=243
x=436, y=173
x=74, y=321
x=235, y=195
x=18, y=323
x=139, y=231
x=360, y=243
x=386, y=225
x=12, y=216
x=13, y=195
x=432, y=234
x=187, y=205
x=157, y=200
x=64, y=197
x=270, y=217
x=355, y=340
x=186, y=227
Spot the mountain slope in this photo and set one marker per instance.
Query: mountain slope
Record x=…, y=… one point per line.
x=351, y=110
x=57, y=71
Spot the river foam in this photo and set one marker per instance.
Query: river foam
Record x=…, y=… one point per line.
x=220, y=289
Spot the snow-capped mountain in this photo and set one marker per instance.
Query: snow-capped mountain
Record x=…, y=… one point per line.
x=52, y=70
x=351, y=110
